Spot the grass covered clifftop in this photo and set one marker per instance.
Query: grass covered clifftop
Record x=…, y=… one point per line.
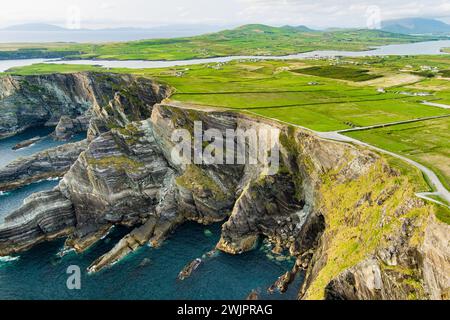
x=367, y=205
x=322, y=95
x=356, y=232
x=254, y=39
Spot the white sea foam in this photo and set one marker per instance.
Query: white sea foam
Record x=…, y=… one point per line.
x=64, y=251
x=8, y=259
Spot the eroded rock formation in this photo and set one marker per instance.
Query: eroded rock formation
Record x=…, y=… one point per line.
x=50, y=163
x=31, y=101
x=351, y=220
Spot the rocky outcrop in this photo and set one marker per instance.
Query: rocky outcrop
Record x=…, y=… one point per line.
x=353, y=222
x=31, y=101
x=50, y=163
x=43, y=217
x=376, y=241
x=435, y=263
x=26, y=143
x=68, y=127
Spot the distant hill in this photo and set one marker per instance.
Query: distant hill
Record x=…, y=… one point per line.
x=265, y=29
x=41, y=27
x=247, y=40
x=299, y=28
x=416, y=26
x=40, y=32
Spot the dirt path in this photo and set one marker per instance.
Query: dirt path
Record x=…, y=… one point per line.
x=439, y=105
x=383, y=125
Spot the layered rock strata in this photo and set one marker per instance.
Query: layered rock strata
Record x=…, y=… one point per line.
x=352, y=221
x=51, y=163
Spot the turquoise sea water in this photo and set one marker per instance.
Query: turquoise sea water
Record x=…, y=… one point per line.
x=7, y=154
x=149, y=273
x=10, y=201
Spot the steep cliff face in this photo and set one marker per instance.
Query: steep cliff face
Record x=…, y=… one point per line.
x=351, y=220
x=376, y=242
x=30, y=101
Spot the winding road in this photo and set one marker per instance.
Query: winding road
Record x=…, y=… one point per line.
x=440, y=190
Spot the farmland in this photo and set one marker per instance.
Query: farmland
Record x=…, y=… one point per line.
x=427, y=142
x=342, y=73
x=255, y=39
x=282, y=90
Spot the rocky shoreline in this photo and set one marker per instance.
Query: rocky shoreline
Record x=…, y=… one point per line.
x=51, y=163
x=319, y=204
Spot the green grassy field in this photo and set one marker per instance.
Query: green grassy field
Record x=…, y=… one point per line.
x=438, y=87
x=445, y=73
x=427, y=142
x=42, y=68
x=271, y=89
x=275, y=89
x=336, y=72
x=246, y=40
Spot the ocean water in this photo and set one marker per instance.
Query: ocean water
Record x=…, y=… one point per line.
x=149, y=273
x=9, y=201
x=7, y=154
x=12, y=200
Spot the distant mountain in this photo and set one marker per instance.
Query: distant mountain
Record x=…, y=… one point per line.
x=299, y=28
x=265, y=28
x=41, y=27
x=261, y=30
x=416, y=26
x=40, y=32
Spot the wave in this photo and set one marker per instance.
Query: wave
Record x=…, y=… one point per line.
x=4, y=193
x=64, y=251
x=8, y=259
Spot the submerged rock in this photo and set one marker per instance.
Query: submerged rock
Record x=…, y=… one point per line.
x=211, y=254
x=27, y=143
x=145, y=262
x=254, y=295
x=189, y=269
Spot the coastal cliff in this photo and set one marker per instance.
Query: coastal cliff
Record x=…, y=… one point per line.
x=352, y=221
x=38, y=100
